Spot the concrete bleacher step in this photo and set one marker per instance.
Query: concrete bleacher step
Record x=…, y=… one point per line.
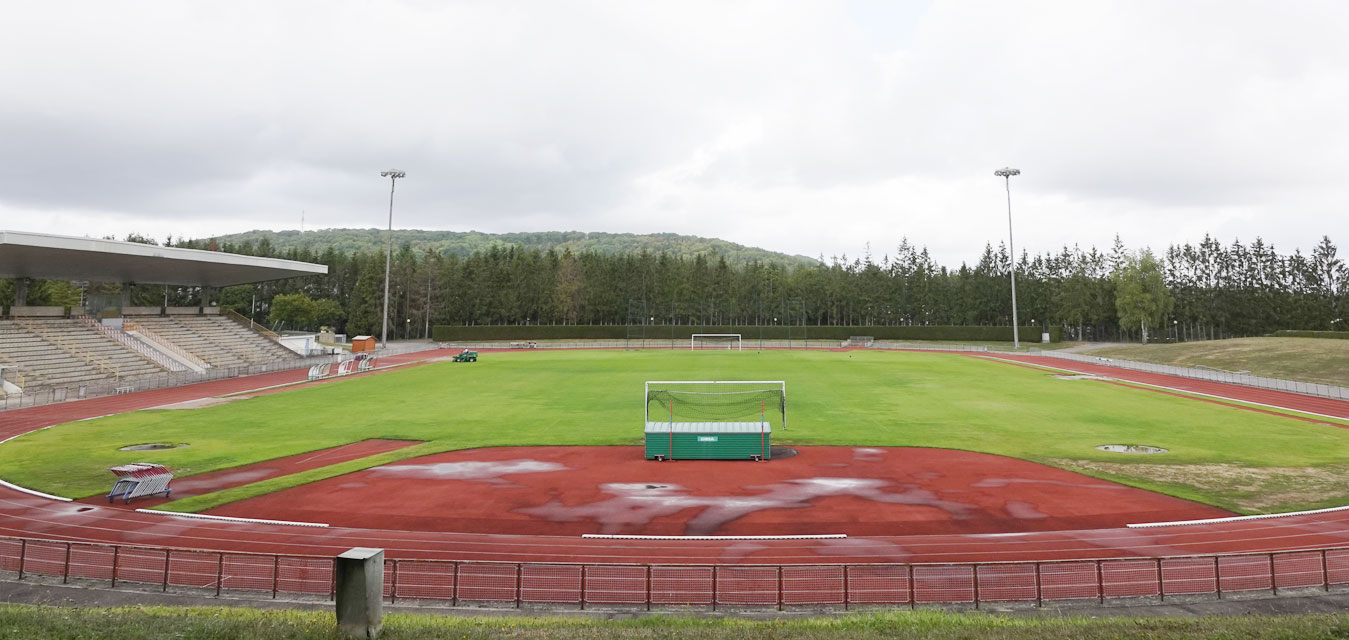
x=66, y=352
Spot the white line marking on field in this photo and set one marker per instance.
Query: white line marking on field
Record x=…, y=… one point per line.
x=28, y=491
x=1265, y=516
x=1179, y=390
x=202, y=516
x=615, y=536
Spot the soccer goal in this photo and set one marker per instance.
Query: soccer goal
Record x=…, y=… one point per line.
x=713, y=420
x=726, y=341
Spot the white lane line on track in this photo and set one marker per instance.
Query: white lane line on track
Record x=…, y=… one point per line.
x=201, y=516
x=1265, y=516
x=1178, y=389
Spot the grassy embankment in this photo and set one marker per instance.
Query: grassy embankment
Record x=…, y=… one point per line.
x=1319, y=360
x=1232, y=458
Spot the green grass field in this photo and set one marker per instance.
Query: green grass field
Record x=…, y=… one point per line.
x=210, y=623
x=1232, y=458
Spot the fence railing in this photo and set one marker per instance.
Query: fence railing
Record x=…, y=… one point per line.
x=670, y=585
x=1259, y=382
x=239, y=318
x=34, y=396
x=971, y=348
x=637, y=342
x=749, y=342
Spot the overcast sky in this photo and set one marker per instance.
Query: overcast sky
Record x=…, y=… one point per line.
x=803, y=127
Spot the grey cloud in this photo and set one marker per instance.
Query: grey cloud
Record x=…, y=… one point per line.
x=815, y=127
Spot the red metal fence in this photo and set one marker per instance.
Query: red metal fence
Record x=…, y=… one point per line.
x=647, y=585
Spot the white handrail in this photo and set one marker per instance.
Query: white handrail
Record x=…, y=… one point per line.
x=133, y=344
x=165, y=343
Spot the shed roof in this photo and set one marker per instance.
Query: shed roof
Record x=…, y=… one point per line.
x=41, y=255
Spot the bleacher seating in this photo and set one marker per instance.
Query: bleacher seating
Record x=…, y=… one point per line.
x=217, y=340
x=55, y=351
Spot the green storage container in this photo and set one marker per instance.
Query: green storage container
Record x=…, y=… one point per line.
x=708, y=440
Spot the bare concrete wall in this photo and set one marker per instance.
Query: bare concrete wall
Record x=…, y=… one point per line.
x=37, y=312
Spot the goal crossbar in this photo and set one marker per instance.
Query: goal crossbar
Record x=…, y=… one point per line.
x=730, y=338
x=716, y=388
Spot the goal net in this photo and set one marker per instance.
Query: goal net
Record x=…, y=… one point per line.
x=724, y=341
x=717, y=401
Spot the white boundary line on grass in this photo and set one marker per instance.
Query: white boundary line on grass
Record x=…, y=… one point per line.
x=1177, y=389
x=31, y=492
x=28, y=491
x=200, y=516
x=607, y=536
x=1179, y=523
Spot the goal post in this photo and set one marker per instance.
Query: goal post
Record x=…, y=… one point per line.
x=727, y=341
x=716, y=401
x=714, y=419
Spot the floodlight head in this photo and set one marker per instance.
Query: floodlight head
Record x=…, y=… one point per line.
x=392, y=173
x=1007, y=172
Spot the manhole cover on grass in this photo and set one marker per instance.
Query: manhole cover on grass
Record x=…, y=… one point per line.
x=1131, y=448
x=781, y=452
x=152, y=446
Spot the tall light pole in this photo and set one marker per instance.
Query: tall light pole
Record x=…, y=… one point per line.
x=1006, y=174
x=393, y=175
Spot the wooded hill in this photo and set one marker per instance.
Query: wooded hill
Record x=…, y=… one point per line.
x=465, y=243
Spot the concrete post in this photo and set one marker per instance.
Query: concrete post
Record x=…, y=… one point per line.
x=360, y=592
x=125, y=300
x=21, y=291
x=206, y=294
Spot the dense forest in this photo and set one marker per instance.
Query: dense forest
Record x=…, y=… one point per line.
x=1188, y=292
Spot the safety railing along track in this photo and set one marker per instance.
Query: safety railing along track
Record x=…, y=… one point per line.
x=34, y=396
x=1211, y=375
x=783, y=586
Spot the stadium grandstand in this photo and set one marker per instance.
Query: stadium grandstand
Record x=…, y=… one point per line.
x=49, y=354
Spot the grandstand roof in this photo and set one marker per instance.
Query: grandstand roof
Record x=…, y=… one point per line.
x=53, y=257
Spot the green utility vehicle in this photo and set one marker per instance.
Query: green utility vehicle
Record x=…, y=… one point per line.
x=466, y=356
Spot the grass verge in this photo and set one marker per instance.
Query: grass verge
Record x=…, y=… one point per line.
x=211, y=623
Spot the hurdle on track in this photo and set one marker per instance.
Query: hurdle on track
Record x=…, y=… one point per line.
x=140, y=479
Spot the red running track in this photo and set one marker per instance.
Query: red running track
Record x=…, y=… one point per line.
x=1283, y=399
x=858, y=491
x=213, y=481
x=24, y=515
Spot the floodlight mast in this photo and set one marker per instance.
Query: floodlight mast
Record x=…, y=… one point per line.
x=1006, y=174
x=393, y=175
